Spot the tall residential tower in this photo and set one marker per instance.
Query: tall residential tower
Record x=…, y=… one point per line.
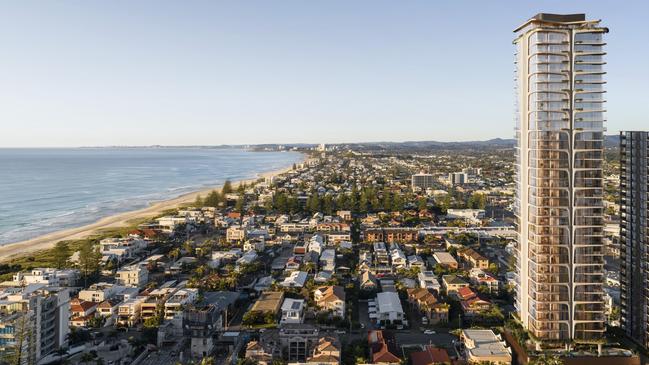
x=559, y=201
x=634, y=233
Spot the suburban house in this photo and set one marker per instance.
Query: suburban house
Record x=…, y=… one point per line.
x=331, y=298
x=428, y=305
x=474, y=258
x=269, y=302
x=445, y=259
x=295, y=280
x=485, y=346
x=235, y=234
x=81, y=312
x=452, y=283
x=368, y=281
x=292, y=311
x=325, y=352
x=383, y=348
x=479, y=277
x=134, y=276
x=430, y=356
x=428, y=280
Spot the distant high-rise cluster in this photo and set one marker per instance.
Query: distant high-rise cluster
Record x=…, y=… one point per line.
x=559, y=201
x=634, y=233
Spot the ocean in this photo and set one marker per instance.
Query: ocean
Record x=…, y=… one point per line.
x=47, y=190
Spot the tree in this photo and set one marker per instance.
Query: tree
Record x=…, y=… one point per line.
x=313, y=203
x=242, y=361
x=242, y=187
x=152, y=322
x=61, y=254
x=239, y=204
x=477, y=201
x=227, y=188
x=87, y=357
x=397, y=203
x=422, y=203
x=212, y=199
x=188, y=246
x=175, y=253
x=546, y=359
x=89, y=259
x=328, y=205
x=493, y=268
x=198, y=202
x=207, y=361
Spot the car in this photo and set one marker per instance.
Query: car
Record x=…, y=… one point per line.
x=340, y=332
x=429, y=332
x=262, y=330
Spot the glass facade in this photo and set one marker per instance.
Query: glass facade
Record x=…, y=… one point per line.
x=634, y=234
x=559, y=153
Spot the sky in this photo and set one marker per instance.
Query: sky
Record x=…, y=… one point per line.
x=99, y=73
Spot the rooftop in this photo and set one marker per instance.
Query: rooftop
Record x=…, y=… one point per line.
x=484, y=343
x=269, y=301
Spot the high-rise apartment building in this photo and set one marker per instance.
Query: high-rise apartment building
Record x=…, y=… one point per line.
x=34, y=322
x=422, y=181
x=634, y=233
x=559, y=201
x=458, y=178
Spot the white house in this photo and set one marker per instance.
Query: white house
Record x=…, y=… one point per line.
x=134, y=276
x=428, y=280
x=247, y=258
x=47, y=276
x=399, y=260
x=174, y=305
x=292, y=311
x=328, y=260
x=295, y=280
x=256, y=245
x=168, y=224
x=316, y=243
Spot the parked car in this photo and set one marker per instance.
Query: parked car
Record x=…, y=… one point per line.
x=429, y=332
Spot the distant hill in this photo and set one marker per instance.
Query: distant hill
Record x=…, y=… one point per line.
x=610, y=141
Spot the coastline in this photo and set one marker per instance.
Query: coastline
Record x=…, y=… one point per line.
x=21, y=248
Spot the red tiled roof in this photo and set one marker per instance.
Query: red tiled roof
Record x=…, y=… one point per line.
x=431, y=355
x=465, y=293
x=380, y=345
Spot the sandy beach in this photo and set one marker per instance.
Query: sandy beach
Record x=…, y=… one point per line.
x=17, y=249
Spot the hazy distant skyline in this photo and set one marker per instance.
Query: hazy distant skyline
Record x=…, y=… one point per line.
x=207, y=73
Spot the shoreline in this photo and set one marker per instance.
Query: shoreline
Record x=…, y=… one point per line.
x=47, y=241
